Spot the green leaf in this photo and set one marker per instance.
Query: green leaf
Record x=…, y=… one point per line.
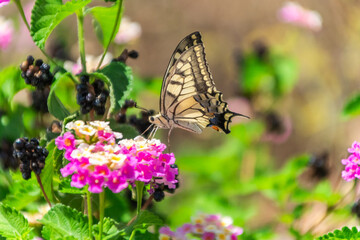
x=62, y=221
x=47, y=14
x=344, y=233
x=119, y=78
x=52, y=161
x=11, y=83
x=104, y=20
x=56, y=108
x=13, y=225
x=144, y=234
x=110, y=229
x=68, y=119
x=352, y=107
x=65, y=187
x=22, y=192
x=48, y=171
x=143, y=221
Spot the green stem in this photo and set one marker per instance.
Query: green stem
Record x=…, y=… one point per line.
x=132, y=234
x=112, y=33
x=139, y=195
x=88, y=198
x=101, y=209
x=21, y=11
x=80, y=18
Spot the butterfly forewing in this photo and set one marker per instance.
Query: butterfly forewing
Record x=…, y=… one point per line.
x=189, y=98
x=188, y=76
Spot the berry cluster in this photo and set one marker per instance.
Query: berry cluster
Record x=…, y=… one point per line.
x=161, y=188
x=319, y=165
x=141, y=124
x=37, y=74
x=31, y=156
x=355, y=209
x=125, y=55
x=91, y=96
x=6, y=158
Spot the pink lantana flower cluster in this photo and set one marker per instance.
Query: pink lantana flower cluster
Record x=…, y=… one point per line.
x=352, y=163
x=295, y=14
x=97, y=160
x=203, y=226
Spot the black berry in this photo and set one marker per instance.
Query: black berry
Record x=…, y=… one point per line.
x=159, y=195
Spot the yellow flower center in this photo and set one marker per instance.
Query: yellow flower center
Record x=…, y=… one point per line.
x=67, y=142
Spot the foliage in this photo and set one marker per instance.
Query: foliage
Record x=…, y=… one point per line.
x=344, y=233
x=13, y=224
x=235, y=177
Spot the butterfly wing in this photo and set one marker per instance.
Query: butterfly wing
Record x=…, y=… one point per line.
x=189, y=96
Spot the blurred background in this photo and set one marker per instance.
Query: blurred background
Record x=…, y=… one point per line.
x=292, y=67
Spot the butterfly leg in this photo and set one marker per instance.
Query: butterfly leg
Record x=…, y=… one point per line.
x=169, y=133
x=151, y=125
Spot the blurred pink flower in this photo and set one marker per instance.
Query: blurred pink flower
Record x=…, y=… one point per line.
x=352, y=163
x=295, y=14
x=128, y=31
x=6, y=32
x=4, y=2
x=205, y=227
x=91, y=63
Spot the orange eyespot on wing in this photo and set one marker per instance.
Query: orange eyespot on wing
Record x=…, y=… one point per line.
x=215, y=128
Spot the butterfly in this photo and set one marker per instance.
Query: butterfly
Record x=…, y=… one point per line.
x=189, y=99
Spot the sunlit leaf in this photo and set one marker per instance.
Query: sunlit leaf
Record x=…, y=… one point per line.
x=47, y=14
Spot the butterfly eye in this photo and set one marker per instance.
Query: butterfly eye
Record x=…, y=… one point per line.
x=152, y=119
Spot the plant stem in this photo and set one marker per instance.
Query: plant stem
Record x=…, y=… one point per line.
x=112, y=33
x=80, y=18
x=21, y=11
x=139, y=195
x=89, y=212
x=101, y=210
x=42, y=189
x=132, y=234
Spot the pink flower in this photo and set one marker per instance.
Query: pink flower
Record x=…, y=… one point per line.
x=96, y=183
x=128, y=31
x=208, y=236
x=166, y=231
x=80, y=179
x=355, y=148
x=128, y=172
x=66, y=142
x=4, y=2
x=352, y=163
x=206, y=227
x=102, y=170
x=116, y=182
x=69, y=169
x=6, y=32
x=295, y=14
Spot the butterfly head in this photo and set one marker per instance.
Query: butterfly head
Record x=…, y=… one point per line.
x=159, y=120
